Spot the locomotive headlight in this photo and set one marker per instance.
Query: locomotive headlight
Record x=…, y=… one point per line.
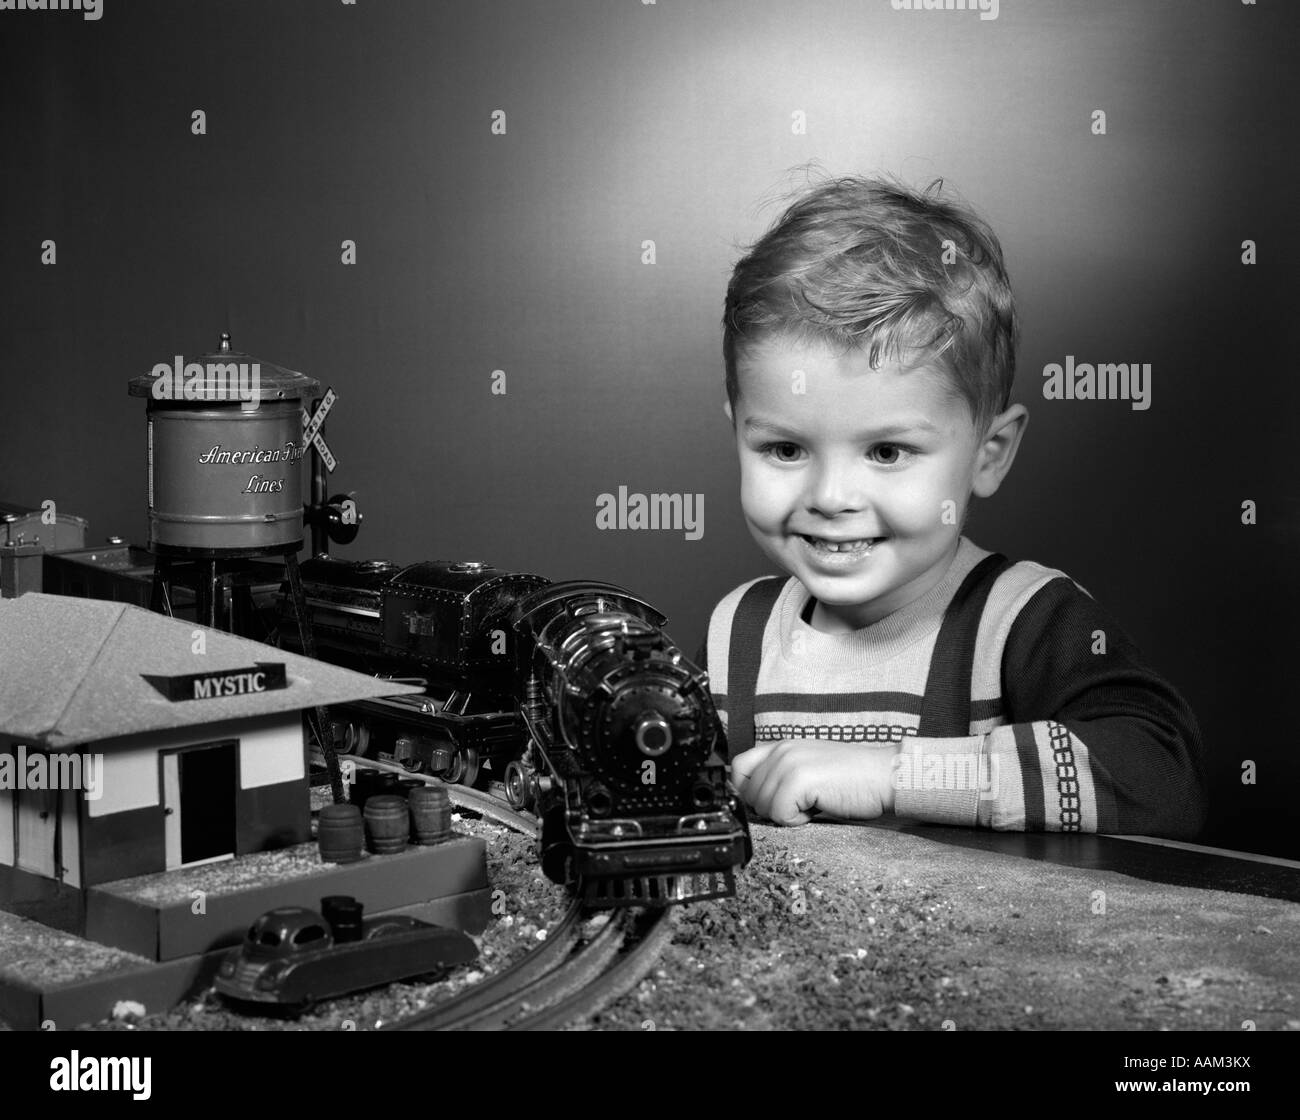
x=654, y=735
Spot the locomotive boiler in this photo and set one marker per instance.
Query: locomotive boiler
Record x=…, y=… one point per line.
x=570, y=695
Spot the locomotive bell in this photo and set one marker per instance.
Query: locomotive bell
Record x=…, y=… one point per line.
x=225, y=454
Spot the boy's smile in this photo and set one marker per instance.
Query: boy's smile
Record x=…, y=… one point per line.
x=856, y=481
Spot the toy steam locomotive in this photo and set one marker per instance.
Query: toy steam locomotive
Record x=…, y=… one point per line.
x=569, y=694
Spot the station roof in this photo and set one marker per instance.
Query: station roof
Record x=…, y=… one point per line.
x=73, y=671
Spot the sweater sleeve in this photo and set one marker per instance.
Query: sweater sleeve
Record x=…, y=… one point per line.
x=1095, y=740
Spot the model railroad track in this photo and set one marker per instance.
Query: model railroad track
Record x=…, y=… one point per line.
x=466, y=797
x=653, y=929
x=570, y=977
x=585, y=963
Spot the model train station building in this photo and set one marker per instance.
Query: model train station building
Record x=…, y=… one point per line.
x=132, y=743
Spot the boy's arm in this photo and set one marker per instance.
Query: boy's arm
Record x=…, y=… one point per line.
x=1095, y=740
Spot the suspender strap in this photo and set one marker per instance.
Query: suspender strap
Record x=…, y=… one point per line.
x=945, y=710
x=743, y=657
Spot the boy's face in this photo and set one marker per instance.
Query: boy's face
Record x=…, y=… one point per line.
x=846, y=453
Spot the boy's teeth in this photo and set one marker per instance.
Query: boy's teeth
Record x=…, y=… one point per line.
x=842, y=546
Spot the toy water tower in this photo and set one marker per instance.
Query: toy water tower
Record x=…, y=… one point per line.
x=226, y=445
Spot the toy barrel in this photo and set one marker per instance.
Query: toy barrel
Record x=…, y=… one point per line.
x=430, y=814
x=371, y=783
x=343, y=912
x=387, y=824
x=340, y=834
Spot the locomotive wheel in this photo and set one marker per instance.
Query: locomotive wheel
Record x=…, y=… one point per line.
x=336, y=730
x=356, y=739
x=518, y=789
x=464, y=767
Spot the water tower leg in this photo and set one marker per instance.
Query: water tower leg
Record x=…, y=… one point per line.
x=320, y=718
x=209, y=591
x=160, y=599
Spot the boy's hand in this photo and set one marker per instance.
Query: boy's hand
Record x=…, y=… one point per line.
x=786, y=781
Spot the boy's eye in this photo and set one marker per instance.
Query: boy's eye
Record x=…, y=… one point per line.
x=890, y=454
x=781, y=452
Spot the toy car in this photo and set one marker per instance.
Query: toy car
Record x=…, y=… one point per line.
x=294, y=956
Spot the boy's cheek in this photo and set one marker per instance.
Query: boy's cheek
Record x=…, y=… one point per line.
x=928, y=501
x=760, y=502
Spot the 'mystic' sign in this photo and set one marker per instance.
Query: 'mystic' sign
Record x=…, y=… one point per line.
x=263, y=676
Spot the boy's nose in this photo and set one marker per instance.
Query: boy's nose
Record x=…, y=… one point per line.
x=836, y=489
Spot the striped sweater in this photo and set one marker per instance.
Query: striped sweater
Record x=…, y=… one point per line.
x=1014, y=700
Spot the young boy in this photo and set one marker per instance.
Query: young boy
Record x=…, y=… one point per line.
x=870, y=341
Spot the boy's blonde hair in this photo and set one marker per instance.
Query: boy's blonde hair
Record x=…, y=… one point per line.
x=863, y=263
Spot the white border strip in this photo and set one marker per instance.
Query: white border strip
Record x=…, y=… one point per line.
x=1251, y=856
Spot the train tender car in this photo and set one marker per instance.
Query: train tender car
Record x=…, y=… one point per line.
x=441, y=624
x=570, y=694
x=292, y=957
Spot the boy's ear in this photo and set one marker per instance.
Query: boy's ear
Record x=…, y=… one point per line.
x=998, y=450
x=726, y=407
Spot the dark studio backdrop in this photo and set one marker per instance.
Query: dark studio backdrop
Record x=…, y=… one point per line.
x=675, y=123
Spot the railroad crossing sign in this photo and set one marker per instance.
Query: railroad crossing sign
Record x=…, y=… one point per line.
x=311, y=426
